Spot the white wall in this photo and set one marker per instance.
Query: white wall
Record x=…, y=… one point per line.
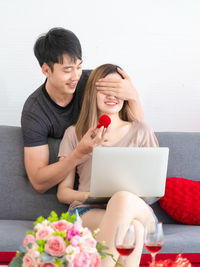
x=156, y=41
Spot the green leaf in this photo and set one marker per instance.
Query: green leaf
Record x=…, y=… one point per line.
x=65, y=262
x=67, y=217
x=30, y=233
x=101, y=246
x=61, y=234
x=72, y=218
x=53, y=217
x=67, y=243
x=22, y=249
x=39, y=220
x=64, y=216
x=30, y=245
x=41, y=244
x=17, y=261
x=58, y=261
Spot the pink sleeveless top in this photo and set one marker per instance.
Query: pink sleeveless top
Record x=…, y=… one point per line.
x=139, y=135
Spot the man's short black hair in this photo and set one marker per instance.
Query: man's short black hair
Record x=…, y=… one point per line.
x=50, y=47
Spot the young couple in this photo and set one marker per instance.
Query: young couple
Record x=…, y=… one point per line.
x=56, y=105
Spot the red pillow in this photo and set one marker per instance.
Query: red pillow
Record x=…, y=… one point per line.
x=182, y=200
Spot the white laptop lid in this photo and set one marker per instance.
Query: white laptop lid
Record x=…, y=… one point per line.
x=138, y=170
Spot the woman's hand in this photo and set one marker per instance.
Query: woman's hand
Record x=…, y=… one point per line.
x=85, y=196
x=93, y=138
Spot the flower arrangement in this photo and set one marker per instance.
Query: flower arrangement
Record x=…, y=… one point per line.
x=59, y=242
x=178, y=262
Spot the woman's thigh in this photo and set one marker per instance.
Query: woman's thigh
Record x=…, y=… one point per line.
x=92, y=218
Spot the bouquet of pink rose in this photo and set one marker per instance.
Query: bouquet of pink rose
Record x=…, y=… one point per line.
x=59, y=242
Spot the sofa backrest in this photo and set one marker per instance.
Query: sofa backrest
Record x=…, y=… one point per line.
x=18, y=199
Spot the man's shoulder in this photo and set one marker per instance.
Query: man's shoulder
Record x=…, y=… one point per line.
x=83, y=80
x=86, y=73
x=33, y=99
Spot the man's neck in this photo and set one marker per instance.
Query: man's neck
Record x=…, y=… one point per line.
x=60, y=99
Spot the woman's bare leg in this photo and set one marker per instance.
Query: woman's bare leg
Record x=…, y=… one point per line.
x=122, y=207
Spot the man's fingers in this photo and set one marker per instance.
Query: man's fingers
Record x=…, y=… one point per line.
x=111, y=92
x=123, y=73
x=108, y=84
x=109, y=80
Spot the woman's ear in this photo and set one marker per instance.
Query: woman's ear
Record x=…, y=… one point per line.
x=46, y=70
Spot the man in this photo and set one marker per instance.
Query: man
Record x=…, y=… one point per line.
x=55, y=105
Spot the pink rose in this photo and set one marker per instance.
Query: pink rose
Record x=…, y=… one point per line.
x=89, y=241
x=75, y=241
x=86, y=231
x=29, y=239
x=29, y=261
x=88, y=244
x=46, y=264
x=95, y=260
x=77, y=226
x=82, y=259
x=61, y=226
x=43, y=233
x=72, y=232
x=55, y=246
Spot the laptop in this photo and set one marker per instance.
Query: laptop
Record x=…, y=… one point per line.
x=140, y=170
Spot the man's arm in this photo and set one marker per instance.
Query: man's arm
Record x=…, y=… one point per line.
x=43, y=176
x=124, y=89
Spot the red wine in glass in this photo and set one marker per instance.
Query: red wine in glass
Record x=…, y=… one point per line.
x=154, y=238
x=125, y=250
x=125, y=240
x=153, y=247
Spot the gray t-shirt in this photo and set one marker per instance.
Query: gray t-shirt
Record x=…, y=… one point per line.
x=43, y=118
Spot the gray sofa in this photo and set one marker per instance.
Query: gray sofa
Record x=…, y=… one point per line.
x=20, y=204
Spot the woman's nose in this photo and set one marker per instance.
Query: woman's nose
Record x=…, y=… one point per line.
x=111, y=96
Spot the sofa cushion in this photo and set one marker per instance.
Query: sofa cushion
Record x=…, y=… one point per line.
x=180, y=237
x=181, y=200
x=12, y=233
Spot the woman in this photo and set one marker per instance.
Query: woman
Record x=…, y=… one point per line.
x=123, y=131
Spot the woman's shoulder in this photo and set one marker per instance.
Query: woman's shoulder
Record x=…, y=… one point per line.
x=70, y=133
x=70, y=130
x=68, y=142
x=142, y=126
x=145, y=134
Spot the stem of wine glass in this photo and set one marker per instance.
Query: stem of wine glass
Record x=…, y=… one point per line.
x=124, y=261
x=153, y=255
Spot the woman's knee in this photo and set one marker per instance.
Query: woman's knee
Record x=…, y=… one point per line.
x=123, y=199
x=126, y=202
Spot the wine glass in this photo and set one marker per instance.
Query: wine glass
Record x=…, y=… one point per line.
x=125, y=240
x=154, y=238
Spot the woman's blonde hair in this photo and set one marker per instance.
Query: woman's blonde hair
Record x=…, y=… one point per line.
x=89, y=113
